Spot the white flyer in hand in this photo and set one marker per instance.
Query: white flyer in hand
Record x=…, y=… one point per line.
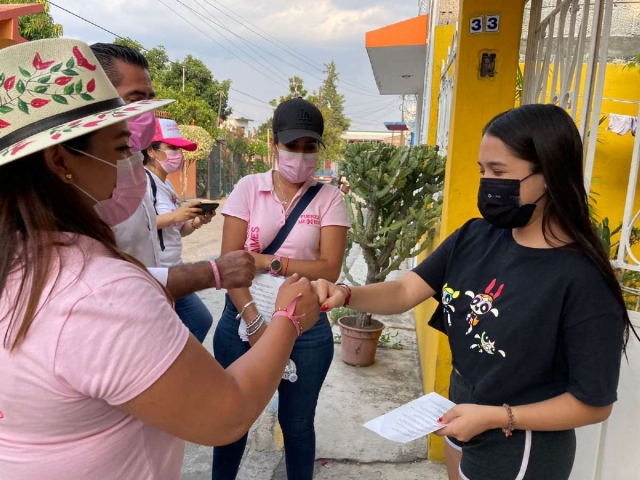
x=264, y=292
x=413, y=420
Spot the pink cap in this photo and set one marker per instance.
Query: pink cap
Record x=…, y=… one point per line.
x=167, y=131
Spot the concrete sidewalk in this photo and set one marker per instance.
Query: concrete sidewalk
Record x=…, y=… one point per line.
x=349, y=398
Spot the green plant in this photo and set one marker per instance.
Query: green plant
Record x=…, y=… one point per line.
x=386, y=340
x=391, y=205
x=519, y=84
x=337, y=313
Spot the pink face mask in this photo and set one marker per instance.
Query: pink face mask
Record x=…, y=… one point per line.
x=174, y=161
x=297, y=167
x=143, y=129
x=131, y=187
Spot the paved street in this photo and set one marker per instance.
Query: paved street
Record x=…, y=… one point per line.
x=350, y=397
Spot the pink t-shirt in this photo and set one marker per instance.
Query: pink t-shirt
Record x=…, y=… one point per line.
x=102, y=336
x=254, y=200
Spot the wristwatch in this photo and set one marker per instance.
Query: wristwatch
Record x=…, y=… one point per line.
x=275, y=266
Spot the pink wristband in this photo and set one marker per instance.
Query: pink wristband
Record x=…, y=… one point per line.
x=216, y=274
x=288, y=312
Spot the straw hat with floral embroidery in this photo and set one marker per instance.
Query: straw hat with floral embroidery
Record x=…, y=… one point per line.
x=52, y=91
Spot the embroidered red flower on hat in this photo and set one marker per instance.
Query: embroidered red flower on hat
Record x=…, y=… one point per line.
x=82, y=62
x=19, y=146
x=9, y=83
x=56, y=136
x=73, y=124
x=95, y=123
x=91, y=86
x=4, y=124
x=39, y=102
x=38, y=64
x=62, y=81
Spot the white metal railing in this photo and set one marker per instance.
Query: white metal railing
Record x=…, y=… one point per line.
x=445, y=98
x=558, y=46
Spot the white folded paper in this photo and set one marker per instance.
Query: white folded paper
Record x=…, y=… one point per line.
x=264, y=292
x=413, y=420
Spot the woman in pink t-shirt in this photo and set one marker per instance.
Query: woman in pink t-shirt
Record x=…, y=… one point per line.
x=99, y=378
x=255, y=212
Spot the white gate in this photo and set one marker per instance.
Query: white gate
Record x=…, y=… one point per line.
x=557, y=47
x=445, y=98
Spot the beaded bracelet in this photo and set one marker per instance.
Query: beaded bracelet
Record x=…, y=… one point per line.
x=253, y=322
x=508, y=432
x=347, y=299
x=255, y=325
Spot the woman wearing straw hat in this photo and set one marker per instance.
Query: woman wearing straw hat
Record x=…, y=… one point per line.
x=86, y=393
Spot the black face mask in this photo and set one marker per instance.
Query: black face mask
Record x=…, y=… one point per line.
x=499, y=203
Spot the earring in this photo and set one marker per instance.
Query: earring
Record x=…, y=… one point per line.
x=69, y=177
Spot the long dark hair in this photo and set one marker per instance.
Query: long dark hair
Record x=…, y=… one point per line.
x=34, y=205
x=547, y=137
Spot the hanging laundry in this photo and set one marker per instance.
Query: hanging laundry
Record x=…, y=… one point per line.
x=621, y=124
x=634, y=125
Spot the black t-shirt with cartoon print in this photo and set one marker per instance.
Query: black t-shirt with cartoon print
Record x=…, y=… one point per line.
x=525, y=325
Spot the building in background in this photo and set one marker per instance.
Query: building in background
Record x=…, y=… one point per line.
x=9, y=21
x=238, y=122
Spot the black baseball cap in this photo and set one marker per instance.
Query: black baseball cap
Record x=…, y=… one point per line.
x=297, y=118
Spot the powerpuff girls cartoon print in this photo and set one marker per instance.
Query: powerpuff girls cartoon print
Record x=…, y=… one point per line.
x=482, y=304
x=486, y=345
x=448, y=296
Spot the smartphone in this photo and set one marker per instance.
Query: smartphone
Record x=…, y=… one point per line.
x=208, y=207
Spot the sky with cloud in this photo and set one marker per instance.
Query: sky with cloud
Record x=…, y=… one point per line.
x=289, y=38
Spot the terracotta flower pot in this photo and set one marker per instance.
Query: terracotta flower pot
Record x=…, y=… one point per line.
x=359, y=345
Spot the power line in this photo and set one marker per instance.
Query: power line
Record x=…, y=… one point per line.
x=369, y=110
x=216, y=42
x=255, y=105
x=291, y=64
x=284, y=47
x=250, y=96
x=212, y=22
x=124, y=38
x=90, y=22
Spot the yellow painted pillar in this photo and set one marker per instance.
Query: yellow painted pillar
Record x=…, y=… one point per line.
x=442, y=38
x=476, y=100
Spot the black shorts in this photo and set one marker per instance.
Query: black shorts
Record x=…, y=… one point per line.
x=526, y=455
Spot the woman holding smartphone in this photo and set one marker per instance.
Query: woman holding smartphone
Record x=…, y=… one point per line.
x=163, y=157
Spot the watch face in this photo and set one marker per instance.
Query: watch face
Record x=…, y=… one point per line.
x=276, y=265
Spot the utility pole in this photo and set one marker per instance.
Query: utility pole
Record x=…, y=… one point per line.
x=183, y=72
x=269, y=147
x=402, y=134
x=219, y=107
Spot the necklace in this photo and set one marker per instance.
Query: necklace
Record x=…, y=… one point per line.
x=285, y=200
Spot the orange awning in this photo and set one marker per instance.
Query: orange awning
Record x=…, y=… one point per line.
x=398, y=55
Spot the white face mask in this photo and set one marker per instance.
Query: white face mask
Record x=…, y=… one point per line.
x=297, y=167
x=131, y=187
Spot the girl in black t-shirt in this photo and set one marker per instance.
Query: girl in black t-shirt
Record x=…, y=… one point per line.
x=538, y=323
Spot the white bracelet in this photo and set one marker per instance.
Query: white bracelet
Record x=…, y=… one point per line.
x=239, y=316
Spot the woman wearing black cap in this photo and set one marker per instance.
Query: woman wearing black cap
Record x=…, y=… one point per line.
x=257, y=216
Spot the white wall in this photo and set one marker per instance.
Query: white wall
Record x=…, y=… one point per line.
x=618, y=457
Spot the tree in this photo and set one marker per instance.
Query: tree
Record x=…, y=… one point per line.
x=296, y=90
x=198, y=76
x=39, y=25
x=336, y=123
x=189, y=108
x=391, y=205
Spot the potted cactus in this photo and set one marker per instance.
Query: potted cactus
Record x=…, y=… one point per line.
x=394, y=217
